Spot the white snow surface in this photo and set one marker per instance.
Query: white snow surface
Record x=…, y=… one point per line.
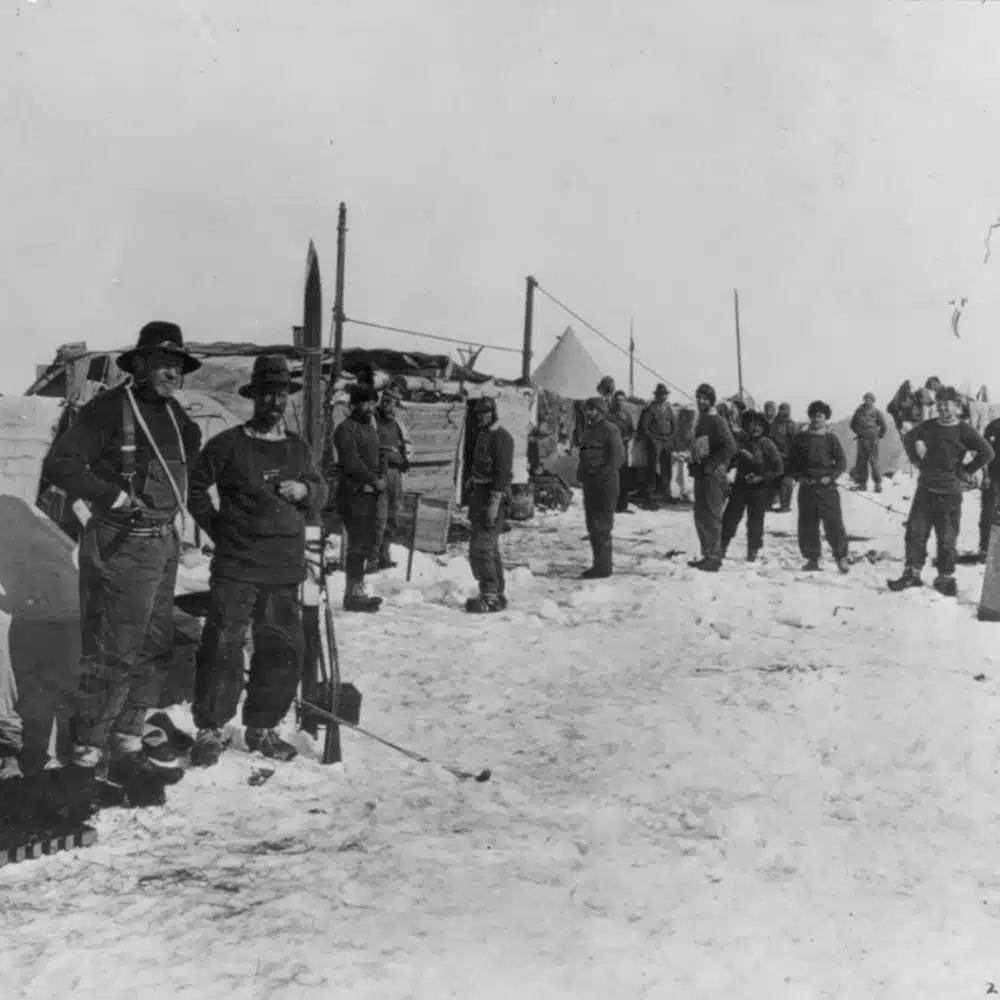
x=756, y=784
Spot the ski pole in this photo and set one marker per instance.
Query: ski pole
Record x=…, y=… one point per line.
x=483, y=775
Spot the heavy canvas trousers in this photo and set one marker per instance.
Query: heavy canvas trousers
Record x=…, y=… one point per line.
x=484, y=544
x=274, y=613
x=754, y=501
x=820, y=505
x=600, y=498
x=867, y=460
x=940, y=513
x=659, y=469
x=11, y=728
x=127, y=630
x=359, y=514
x=387, y=519
x=709, y=503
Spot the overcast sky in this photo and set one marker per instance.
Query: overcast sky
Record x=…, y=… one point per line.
x=838, y=163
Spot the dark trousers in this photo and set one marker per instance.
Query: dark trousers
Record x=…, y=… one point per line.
x=867, y=460
x=709, y=503
x=600, y=498
x=942, y=513
x=754, y=500
x=275, y=616
x=387, y=520
x=359, y=514
x=127, y=630
x=625, y=476
x=989, y=507
x=820, y=505
x=659, y=469
x=484, y=544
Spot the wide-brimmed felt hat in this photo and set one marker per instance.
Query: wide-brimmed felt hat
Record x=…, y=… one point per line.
x=163, y=337
x=661, y=390
x=270, y=374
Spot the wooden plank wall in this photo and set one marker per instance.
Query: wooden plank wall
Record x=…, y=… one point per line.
x=436, y=430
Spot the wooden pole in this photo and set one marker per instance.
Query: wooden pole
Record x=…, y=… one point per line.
x=739, y=344
x=338, y=301
x=529, y=316
x=631, y=357
x=312, y=355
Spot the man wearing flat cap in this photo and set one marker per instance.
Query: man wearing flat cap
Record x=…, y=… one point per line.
x=361, y=482
x=267, y=489
x=127, y=456
x=602, y=455
x=656, y=431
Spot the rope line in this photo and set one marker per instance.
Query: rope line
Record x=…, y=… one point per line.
x=608, y=340
x=429, y=336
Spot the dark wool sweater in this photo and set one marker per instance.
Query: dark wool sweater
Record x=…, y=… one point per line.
x=259, y=538
x=602, y=453
x=493, y=459
x=782, y=432
x=947, y=445
x=86, y=461
x=868, y=423
x=358, y=453
x=718, y=439
x=391, y=442
x=813, y=456
x=764, y=461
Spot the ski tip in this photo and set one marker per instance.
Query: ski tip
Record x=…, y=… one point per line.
x=484, y=775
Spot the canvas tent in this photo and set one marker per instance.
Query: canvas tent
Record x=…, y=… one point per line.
x=568, y=370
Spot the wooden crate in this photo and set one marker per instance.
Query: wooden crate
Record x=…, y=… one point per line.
x=424, y=522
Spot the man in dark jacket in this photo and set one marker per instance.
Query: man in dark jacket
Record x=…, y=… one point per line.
x=817, y=461
x=989, y=496
x=711, y=454
x=601, y=458
x=758, y=468
x=489, y=481
x=267, y=485
x=656, y=431
x=622, y=419
x=361, y=482
x=869, y=426
x=782, y=432
x=396, y=449
x=127, y=457
x=938, y=449
x=770, y=414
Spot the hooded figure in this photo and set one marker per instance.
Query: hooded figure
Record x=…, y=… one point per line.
x=601, y=457
x=713, y=450
x=489, y=485
x=782, y=431
x=869, y=426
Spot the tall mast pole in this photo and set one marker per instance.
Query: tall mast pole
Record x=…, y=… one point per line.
x=739, y=344
x=529, y=319
x=631, y=357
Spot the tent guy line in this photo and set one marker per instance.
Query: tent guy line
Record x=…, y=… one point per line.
x=608, y=340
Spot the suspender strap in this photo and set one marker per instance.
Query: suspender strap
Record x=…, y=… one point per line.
x=128, y=444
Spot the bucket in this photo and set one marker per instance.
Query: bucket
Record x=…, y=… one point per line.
x=522, y=502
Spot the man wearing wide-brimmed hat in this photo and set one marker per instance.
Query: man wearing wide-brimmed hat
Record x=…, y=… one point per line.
x=127, y=456
x=267, y=489
x=657, y=432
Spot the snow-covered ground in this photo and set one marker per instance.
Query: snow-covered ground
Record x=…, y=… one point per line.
x=758, y=784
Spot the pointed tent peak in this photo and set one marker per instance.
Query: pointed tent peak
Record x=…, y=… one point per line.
x=568, y=369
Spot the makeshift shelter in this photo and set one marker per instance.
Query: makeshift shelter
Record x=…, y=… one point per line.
x=437, y=396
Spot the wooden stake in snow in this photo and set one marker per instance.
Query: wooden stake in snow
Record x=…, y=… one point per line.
x=989, y=601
